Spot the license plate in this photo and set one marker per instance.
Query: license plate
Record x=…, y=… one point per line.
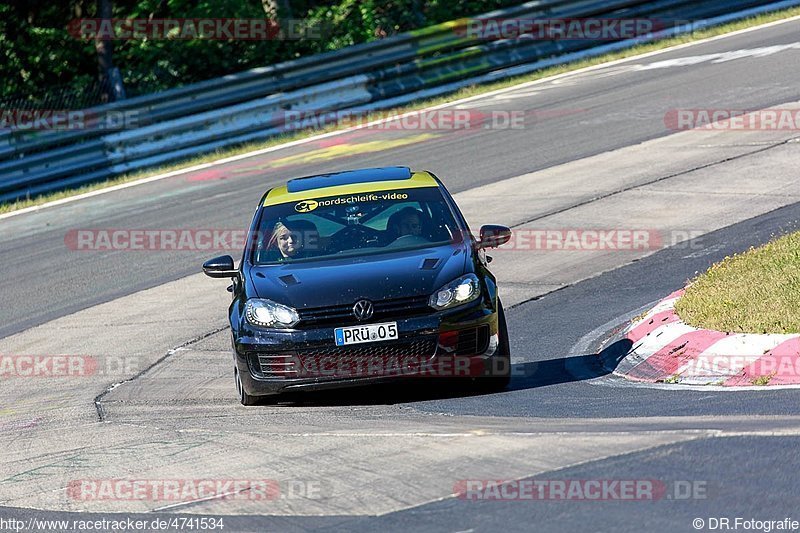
x=367, y=333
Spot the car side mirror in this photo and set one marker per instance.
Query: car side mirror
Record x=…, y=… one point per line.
x=494, y=235
x=220, y=267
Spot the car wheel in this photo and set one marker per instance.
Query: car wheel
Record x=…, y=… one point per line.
x=244, y=398
x=502, y=359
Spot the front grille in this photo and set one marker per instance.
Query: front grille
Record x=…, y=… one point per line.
x=474, y=341
x=384, y=309
x=367, y=360
x=348, y=361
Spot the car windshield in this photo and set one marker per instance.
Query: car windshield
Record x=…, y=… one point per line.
x=354, y=225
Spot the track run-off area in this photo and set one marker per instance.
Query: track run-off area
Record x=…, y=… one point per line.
x=150, y=393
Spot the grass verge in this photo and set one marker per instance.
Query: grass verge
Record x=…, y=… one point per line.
x=466, y=92
x=757, y=291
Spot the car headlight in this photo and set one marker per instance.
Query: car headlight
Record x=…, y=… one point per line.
x=458, y=292
x=266, y=313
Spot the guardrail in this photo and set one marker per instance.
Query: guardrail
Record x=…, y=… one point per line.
x=251, y=106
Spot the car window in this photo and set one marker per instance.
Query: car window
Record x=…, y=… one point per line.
x=352, y=225
x=380, y=221
x=326, y=227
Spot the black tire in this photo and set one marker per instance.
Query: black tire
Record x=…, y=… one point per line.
x=502, y=360
x=244, y=398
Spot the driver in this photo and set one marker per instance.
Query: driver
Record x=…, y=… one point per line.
x=293, y=239
x=407, y=221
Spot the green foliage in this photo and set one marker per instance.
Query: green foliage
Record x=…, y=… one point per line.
x=41, y=62
x=37, y=54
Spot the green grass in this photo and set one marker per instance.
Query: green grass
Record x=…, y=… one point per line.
x=463, y=93
x=762, y=380
x=757, y=291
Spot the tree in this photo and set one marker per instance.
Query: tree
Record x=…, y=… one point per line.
x=105, y=54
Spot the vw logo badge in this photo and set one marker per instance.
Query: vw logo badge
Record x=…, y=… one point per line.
x=363, y=310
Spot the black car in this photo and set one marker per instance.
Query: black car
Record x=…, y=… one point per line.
x=362, y=276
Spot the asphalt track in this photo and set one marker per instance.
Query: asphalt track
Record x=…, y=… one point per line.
x=563, y=418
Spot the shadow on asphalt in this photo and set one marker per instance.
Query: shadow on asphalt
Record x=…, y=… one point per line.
x=539, y=374
x=525, y=376
x=613, y=354
x=384, y=394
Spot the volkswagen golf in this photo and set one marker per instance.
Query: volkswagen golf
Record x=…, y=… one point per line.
x=360, y=277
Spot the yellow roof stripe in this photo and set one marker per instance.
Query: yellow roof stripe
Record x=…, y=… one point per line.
x=279, y=195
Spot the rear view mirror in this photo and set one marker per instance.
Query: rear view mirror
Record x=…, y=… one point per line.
x=494, y=235
x=220, y=267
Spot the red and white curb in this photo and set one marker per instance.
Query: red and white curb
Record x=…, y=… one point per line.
x=666, y=350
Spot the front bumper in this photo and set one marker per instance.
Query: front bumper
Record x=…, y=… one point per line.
x=434, y=345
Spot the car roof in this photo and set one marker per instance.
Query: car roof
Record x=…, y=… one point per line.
x=349, y=182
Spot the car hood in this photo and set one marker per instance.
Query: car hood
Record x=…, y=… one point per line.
x=377, y=277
